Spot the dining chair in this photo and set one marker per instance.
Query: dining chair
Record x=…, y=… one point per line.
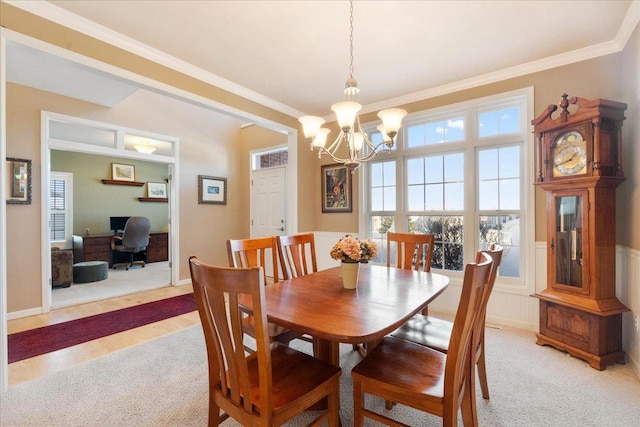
x=436, y=333
x=297, y=255
x=411, y=374
x=410, y=252
x=259, y=252
x=266, y=388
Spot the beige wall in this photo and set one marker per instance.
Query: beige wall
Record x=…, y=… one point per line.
x=602, y=77
x=94, y=202
x=208, y=146
x=213, y=150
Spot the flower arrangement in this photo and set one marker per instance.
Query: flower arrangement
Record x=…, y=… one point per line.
x=351, y=249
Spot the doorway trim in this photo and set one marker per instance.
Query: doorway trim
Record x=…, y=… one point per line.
x=48, y=143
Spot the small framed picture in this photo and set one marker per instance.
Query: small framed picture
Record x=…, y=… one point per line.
x=336, y=189
x=120, y=172
x=156, y=190
x=212, y=190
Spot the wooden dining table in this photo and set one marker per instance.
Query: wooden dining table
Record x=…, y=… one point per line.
x=318, y=305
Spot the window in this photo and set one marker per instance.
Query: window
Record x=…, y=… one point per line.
x=60, y=208
x=271, y=159
x=460, y=175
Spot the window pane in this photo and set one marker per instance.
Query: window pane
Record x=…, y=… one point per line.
x=510, y=194
x=434, y=169
x=488, y=124
x=454, y=200
x=415, y=198
x=448, y=230
x=488, y=164
x=416, y=136
x=434, y=195
x=389, y=199
x=505, y=231
x=376, y=199
x=488, y=195
x=454, y=167
x=376, y=174
x=380, y=225
x=455, y=130
x=389, y=172
x=510, y=162
x=415, y=171
x=509, y=121
x=434, y=133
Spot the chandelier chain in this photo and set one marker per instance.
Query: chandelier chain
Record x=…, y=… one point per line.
x=351, y=39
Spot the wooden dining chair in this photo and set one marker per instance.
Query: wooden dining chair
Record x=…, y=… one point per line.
x=412, y=252
x=266, y=388
x=436, y=333
x=259, y=252
x=297, y=255
x=411, y=374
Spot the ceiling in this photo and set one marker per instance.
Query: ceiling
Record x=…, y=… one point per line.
x=294, y=55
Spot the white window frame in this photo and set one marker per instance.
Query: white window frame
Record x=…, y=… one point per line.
x=68, y=226
x=523, y=285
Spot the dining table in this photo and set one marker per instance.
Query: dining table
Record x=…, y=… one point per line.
x=318, y=305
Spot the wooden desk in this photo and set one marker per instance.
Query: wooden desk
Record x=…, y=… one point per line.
x=97, y=247
x=318, y=305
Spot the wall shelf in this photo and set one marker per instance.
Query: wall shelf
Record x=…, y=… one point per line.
x=130, y=183
x=153, y=199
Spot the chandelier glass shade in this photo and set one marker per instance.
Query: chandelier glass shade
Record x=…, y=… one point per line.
x=359, y=147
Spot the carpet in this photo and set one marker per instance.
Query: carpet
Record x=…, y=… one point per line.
x=34, y=342
x=164, y=382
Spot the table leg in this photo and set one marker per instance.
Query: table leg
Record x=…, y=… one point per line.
x=329, y=351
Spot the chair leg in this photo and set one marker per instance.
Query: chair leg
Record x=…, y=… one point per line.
x=469, y=405
x=482, y=373
x=333, y=407
x=358, y=404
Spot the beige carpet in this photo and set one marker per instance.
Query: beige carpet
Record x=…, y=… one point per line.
x=119, y=282
x=164, y=383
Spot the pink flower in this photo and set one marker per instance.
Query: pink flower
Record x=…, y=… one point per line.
x=350, y=249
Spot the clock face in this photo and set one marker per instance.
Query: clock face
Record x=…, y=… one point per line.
x=569, y=155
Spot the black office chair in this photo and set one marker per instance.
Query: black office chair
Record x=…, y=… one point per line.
x=134, y=240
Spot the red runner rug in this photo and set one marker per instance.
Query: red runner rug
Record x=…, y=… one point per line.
x=34, y=342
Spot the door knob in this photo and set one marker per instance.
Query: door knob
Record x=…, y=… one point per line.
x=281, y=228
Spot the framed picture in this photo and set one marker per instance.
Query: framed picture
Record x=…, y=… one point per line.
x=336, y=189
x=18, y=181
x=212, y=190
x=156, y=190
x=120, y=172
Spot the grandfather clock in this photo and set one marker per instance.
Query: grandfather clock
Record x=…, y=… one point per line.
x=579, y=166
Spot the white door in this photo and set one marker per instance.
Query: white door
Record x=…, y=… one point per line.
x=269, y=202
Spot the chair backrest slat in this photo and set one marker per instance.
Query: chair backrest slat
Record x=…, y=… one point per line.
x=412, y=250
x=295, y=253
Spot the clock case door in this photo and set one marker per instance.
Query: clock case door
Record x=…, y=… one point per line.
x=567, y=266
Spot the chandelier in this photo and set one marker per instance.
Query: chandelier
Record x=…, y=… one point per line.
x=359, y=146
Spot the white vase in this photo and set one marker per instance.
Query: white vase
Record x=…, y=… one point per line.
x=350, y=272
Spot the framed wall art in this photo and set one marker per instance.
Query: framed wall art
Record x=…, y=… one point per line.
x=120, y=172
x=18, y=181
x=156, y=190
x=212, y=190
x=336, y=189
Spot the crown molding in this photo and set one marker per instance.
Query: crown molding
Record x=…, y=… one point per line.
x=58, y=15
x=72, y=21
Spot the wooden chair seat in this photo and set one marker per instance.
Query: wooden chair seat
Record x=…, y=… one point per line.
x=429, y=331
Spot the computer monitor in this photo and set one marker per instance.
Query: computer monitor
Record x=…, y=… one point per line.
x=117, y=223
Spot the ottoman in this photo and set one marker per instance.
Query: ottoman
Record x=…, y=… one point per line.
x=90, y=271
